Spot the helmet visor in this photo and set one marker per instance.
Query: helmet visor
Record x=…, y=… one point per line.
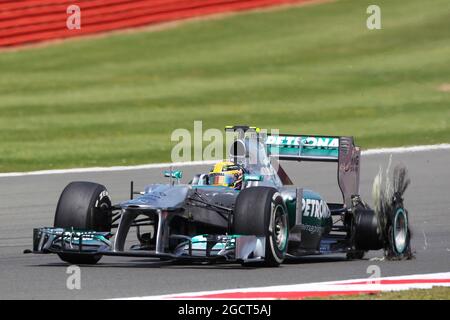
x=221, y=179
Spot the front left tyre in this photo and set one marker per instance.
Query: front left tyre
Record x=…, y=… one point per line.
x=83, y=206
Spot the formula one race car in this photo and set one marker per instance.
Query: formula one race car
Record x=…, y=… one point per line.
x=245, y=210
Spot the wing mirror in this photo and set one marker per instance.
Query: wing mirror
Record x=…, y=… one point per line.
x=177, y=174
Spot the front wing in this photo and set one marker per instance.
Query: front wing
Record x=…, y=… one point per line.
x=227, y=248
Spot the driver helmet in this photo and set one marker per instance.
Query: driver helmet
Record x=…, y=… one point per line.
x=227, y=174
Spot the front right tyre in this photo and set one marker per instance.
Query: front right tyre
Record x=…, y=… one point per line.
x=261, y=211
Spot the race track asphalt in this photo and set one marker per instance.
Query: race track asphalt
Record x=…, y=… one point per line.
x=29, y=201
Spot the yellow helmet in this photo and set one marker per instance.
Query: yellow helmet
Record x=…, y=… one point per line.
x=227, y=174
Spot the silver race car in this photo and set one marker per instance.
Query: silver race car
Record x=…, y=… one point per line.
x=245, y=210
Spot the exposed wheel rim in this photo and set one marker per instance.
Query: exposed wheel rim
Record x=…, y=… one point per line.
x=400, y=231
x=280, y=228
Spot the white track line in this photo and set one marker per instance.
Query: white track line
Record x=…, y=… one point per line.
x=362, y=285
x=107, y=169
x=433, y=147
x=369, y=152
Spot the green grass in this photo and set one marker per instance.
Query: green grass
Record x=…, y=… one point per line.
x=436, y=293
x=313, y=69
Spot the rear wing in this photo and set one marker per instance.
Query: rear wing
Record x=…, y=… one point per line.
x=341, y=150
x=312, y=148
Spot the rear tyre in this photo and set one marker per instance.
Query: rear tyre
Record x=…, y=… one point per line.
x=83, y=206
x=366, y=231
x=261, y=211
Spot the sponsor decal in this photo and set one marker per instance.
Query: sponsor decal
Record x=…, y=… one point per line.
x=325, y=248
x=283, y=140
x=315, y=208
x=103, y=194
x=311, y=229
x=320, y=142
x=297, y=141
